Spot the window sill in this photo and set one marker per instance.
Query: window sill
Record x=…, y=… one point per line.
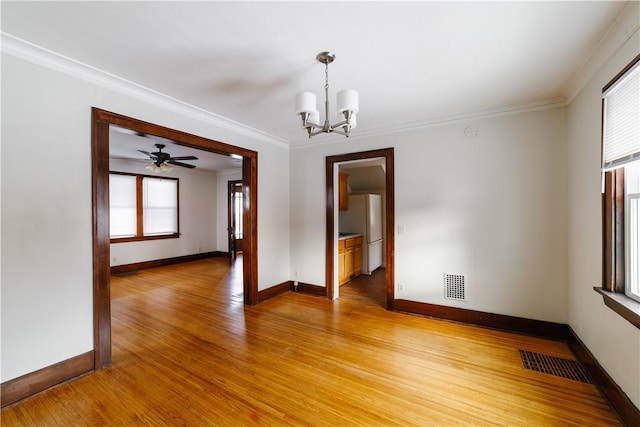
x=143, y=238
x=621, y=304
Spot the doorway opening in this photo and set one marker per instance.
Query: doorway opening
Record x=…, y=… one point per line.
x=360, y=224
x=101, y=122
x=332, y=169
x=234, y=219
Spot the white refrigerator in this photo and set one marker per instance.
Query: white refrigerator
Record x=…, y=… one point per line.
x=364, y=215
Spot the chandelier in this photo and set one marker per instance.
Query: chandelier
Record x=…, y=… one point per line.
x=347, y=103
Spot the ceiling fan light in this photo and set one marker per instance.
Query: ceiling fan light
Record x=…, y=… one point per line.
x=347, y=101
x=305, y=102
x=162, y=167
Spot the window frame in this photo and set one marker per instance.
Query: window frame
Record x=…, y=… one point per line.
x=632, y=210
x=614, y=268
x=140, y=211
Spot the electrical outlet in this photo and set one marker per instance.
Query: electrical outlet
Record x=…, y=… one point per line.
x=400, y=287
x=114, y=259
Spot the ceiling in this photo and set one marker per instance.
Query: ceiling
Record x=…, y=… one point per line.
x=365, y=174
x=412, y=63
x=126, y=144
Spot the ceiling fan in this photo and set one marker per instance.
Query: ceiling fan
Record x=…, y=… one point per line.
x=161, y=158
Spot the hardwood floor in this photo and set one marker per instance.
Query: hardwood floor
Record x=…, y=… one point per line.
x=187, y=352
x=366, y=289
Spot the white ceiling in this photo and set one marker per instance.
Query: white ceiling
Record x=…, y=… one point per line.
x=365, y=174
x=124, y=144
x=412, y=63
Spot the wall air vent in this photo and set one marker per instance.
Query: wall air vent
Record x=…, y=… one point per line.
x=454, y=287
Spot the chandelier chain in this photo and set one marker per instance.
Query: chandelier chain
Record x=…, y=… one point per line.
x=326, y=76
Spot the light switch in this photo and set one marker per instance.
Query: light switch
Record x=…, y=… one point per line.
x=402, y=230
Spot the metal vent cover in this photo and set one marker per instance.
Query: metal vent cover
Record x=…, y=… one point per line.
x=559, y=367
x=454, y=287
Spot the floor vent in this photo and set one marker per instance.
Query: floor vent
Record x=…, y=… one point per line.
x=454, y=287
x=565, y=368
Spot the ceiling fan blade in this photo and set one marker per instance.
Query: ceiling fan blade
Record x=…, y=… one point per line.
x=185, y=158
x=145, y=152
x=161, y=155
x=184, y=165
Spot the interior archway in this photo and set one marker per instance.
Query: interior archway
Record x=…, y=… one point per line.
x=101, y=120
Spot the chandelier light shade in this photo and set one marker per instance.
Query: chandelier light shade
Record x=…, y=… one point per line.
x=347, y=106
x=305, y=102
x=347, y=101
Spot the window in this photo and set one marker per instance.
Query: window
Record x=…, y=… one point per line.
x=142, y=207
x=236, y=209
x=621, y=195
x=122, y=205
x=160, y=206
x=632, y=229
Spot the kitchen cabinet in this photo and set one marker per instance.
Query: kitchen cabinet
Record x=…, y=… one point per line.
x=357, y=257
x=349, y=258
x=343, y=191
x=342, y=277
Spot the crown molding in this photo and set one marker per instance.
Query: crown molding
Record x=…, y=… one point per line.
x=41, y=56
x=507, y=110
x=625, y=26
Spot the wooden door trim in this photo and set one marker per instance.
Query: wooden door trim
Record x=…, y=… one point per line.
x=387, y=154
x=100, y=122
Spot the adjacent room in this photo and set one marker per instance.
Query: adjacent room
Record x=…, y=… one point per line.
x=320, y=213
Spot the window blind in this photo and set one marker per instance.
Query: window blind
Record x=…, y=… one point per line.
x=122, y=205
x=621, y=120
x=160, y=206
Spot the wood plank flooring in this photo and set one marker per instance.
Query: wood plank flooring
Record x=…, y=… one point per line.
x=187, y=352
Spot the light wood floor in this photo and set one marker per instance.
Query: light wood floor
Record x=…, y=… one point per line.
x=187, y=352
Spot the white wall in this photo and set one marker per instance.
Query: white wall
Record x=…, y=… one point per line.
x=492, y=208
x=611, y=339
x=198, y=218
x=47, y=289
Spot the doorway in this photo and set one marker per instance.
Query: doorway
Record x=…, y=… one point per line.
x=101, y=121
x=234, y=219
x=361, y=214
x=331, y=171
